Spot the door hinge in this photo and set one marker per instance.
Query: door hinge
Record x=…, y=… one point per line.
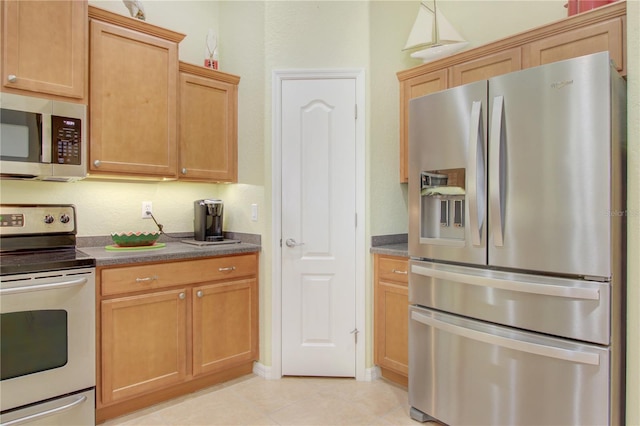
x=355, y=334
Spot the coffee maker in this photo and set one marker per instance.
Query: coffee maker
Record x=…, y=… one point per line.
x=207, y=220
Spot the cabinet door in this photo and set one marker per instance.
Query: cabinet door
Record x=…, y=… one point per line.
x=486, y=67
x=225, y=325
x=208, y=127
x=44, y=46
x=133, y=93
x=391, y=315
x=598, y=37
x=410, y=88
x=144, y=343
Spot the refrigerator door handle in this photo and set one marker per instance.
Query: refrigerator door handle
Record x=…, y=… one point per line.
x=495, y=171
x=475, y=167
x=518, y=286
x=517, y=345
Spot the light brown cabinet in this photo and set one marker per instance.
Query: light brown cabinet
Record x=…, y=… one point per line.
x=391, y=317
x=144, y=343
x=208, y=125
x=601, y=29
x=44, y=47
x=225, y=331
x=171, y=328
x=133, y=97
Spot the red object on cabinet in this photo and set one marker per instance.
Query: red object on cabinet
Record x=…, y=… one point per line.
x=578, y=6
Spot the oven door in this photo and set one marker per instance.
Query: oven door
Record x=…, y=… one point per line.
x=47, y=335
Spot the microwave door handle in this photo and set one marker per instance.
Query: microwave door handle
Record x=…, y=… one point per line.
x=475, y=167
x=513, y=344
x=46, y=138
x=495, y=171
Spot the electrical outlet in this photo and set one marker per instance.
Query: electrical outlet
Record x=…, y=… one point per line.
x=147, y=209
x=254, y=212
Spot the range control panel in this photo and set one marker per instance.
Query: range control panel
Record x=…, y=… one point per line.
x=36, y=219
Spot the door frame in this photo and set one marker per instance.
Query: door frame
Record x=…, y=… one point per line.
x=278, y=76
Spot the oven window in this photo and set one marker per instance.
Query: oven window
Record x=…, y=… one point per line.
x=32, y=341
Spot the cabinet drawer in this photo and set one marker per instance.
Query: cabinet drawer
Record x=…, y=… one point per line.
x=393, y=269
x=150, y=277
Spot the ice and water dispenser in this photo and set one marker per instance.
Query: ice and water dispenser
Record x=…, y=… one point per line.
x=442, y=194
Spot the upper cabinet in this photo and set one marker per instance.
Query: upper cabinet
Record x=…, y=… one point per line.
x=44, y=47
x=601, y=29
x=133, y=97
x=208, y=125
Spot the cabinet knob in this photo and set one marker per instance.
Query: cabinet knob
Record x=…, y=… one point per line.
x=199, y=293
x=182, y=296
x=97, y=163
x=12, y=78
x=184, y=170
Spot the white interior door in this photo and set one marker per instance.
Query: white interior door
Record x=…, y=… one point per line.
x=318, y=227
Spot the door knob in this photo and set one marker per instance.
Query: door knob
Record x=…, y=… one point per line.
x=292, y=243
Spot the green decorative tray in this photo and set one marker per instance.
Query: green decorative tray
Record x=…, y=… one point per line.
x=135, y=239
x=139, y=248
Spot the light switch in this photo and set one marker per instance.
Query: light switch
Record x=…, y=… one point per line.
x=254, y=212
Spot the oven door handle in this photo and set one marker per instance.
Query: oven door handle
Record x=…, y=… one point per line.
x=45, y=413
x=39, y=287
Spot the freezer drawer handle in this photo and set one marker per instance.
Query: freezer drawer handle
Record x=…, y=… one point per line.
x=495, y=171
x=521, y=286
x=517, y=345
x=40, y=287
x=57, y=410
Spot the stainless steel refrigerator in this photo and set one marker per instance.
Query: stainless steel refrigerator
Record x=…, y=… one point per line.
x=516, y=239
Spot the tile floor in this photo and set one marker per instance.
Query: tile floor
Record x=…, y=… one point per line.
x=252, y=400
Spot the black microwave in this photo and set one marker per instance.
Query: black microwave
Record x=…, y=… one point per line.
x=42, y=139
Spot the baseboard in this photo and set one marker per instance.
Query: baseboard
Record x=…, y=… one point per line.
x=263, y=371
x=371, y=374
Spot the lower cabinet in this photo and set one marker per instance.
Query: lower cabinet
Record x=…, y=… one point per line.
x=391, y=317
x=171, y=328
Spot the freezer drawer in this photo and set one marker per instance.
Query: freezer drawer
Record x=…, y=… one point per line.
x=466, y=372
x=572, y=308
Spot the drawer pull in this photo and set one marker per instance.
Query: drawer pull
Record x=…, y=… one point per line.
x=199, y=293
x=398, y=271
x=228, y=268
x=146, y=279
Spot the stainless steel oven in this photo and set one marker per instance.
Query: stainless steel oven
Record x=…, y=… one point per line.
x=47, y=324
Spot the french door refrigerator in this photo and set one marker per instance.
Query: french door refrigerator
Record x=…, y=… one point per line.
x=516, y=222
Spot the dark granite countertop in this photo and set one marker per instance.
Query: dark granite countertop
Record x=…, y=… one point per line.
x=172, y=251
x=392, y=245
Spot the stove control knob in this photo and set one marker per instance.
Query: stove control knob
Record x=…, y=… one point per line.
x=64, y=218
x=48, y=219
